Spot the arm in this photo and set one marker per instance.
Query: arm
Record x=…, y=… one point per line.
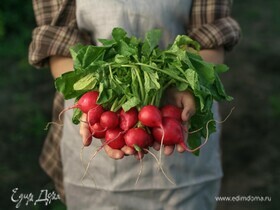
x=59, y=65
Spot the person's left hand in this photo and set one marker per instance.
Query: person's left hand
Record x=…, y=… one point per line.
x=184, y=100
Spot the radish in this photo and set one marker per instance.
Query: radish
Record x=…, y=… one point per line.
x=171, y=111
x=85, y=103
x=137, y=137
x=97, y=130
x=94, y=114
x=114, y=138
x=128, y=119
x=109, y=119
x=150, y=116
x=173, y=134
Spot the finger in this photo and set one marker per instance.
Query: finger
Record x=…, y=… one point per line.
x=168, y=150
x=84, y=132
x=113, y=153
x=156, y=146
x=87, y=140
x=185, y=114
x=128, y=150
x=188, y=103
x=179, y=148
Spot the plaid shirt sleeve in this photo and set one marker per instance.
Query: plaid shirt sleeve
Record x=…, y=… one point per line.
x=56, y=30
x=211, y=24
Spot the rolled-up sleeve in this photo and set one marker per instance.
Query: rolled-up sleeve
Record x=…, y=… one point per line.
x=212, y=26
x=56, y=31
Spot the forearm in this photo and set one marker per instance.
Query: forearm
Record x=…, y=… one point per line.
x=60, y=65
x=213, y=55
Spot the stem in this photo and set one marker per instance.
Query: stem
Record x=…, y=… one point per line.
x=142, y=92
x=114, y=104
x=110, y=70
x=167, y=84
x=120, y=103
x=165, y=72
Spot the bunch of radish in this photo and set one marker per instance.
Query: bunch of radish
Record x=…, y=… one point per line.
x=123, y=81
x=135, y=128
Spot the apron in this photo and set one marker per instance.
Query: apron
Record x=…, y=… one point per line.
x=110, y=184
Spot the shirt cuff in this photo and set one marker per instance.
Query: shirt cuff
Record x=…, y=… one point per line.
x=53, y=40
x=222, y=32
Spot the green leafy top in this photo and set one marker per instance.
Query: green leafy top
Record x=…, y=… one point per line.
x=129, y=72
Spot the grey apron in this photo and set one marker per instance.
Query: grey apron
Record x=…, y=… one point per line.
x=110, y=184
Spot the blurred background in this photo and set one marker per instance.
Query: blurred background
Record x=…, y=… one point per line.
x=250, y=139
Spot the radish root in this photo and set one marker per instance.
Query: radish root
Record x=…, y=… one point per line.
x=140, y=171
x=161, y=147
x=64, y=110
x=52, y=123
x=84, y=165
x=207, y=132
x=160, y=166
x=95, y=153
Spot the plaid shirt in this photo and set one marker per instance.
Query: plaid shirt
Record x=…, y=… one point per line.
x=56, y=31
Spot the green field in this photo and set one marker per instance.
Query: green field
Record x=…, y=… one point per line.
x=250, y=139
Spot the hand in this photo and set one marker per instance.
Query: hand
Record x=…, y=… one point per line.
x=112, y=153
x=184, y=100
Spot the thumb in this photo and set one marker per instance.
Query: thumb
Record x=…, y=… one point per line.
x=185, y=114
x=188, y=104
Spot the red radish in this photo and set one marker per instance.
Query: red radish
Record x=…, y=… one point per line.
x=97, y=130
x=85, y=103
x=128, y=119
x=137, y=137
x=171, y=111
x=173, y=132
x=114, y=138
x=151, y=140
x=109, y=119
x=94, y=114
x=150, y=116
